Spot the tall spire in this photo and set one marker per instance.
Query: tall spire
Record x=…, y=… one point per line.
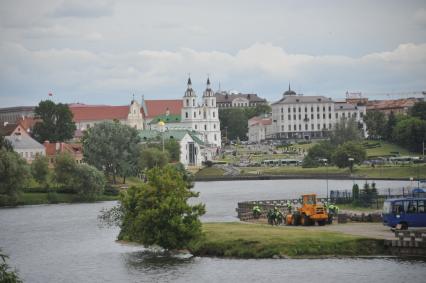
x=189, y=81
x=289, y=86
x=208, y=82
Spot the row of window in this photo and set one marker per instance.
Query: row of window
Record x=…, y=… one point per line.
x=205, y=127
x=409, y=206
x=306, y=109
x=29, y=154
x=238, y=104
x=324, y=126
x=354, y=115
x=199, y=113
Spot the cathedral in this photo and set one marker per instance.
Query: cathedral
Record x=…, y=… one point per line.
x=202, y=118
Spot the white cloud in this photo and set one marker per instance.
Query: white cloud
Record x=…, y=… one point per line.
x=98, y=77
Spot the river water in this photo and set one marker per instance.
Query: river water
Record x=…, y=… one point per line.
x=64, y=243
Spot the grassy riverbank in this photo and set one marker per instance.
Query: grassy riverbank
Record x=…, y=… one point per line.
x=264, y=241
x=44, y=198
x=387, y=172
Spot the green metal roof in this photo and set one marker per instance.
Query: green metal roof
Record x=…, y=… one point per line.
x=166, y=119
x=146, y=135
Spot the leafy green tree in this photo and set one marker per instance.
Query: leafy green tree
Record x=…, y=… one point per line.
x=14, y=174
x=419, y=110
x=113, y=148
x=345, y=130
x=40, y=169
x=56, y=123
x=374, y=121
x=89, y=182
x=355, y=193
x=173, y=148
x=349, y=150
x=158, y=213
x=321, y=150
x=151, y=157
x=6, y=274
x=260, y=109
x=410, y=133
x=233, y=123
x=390, y=125
x=65, y=170
x=5, y=144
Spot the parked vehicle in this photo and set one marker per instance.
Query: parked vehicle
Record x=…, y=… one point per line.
x=309, y=213
x=407, y=212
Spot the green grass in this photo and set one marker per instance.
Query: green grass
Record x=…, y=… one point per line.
x=387, y=149
x=392, y=171
x=265, y=241
x=358, y=208
x=210, y=172
x=41, y=198
x=296, y=170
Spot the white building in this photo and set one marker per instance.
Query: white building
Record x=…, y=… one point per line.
x=192, y=151
x=202, y=118
x=27, y=147
x=259, y=128
x=309, y=117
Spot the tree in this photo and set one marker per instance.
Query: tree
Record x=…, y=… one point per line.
x=410, y=133
x=65, y=170
x=321, y=150
x=14, y=174
x=151, y=157
x=355, y=193
x=158, y=213
x=233, y=123
x=390, y=125
x=345, y=130
x=89, y=182
x=6, y=274
x=260, y=109
x=56, y=123
x=375, y=121
x=113, y=148
x=349, y=150
x=419, y=110
x=5, y=144
x=40, y=169
x=173, y=148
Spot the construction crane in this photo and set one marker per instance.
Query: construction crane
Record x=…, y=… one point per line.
x=386, y=95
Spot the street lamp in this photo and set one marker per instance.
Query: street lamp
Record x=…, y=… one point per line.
x=326, y=168
x=351, y=160
x=161, y=125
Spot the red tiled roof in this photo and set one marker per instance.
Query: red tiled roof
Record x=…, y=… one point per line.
x=159, y=107
x=53, y=148
x=391, y=104
x=98, y=112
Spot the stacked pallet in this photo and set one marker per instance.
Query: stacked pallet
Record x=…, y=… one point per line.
x=408, y=242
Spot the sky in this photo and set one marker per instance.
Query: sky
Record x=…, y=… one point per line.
x=106, y=51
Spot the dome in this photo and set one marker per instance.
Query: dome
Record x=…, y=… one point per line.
x=289, y=91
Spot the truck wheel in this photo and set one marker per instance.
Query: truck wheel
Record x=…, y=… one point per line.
x=294, y=220
x=304, y=220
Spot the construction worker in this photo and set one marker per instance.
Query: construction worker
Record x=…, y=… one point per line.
x=289, y=206
x=256, y=212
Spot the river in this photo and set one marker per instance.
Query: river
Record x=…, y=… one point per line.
x=64, y=243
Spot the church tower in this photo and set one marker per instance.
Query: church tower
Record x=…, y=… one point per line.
x=189, y=109
x=211, y=116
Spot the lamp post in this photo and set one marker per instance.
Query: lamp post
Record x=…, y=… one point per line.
x=351, y=160
x=326, y=168
x=161, y=125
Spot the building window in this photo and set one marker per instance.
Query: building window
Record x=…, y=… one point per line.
x=282, y=117
x=329, y=126
x=282, y=110
x=329, y=115
x=317, y=108
x=282, y=128
x=318, y=116
x=214, y=114
x=187, y=102
x=312, y=109
x=306, y=109
x=312, y=116
x=312, y=127
x=195, y=126
x=215, y=138
x=205, y=127
x=186, y=114
x=289, y=117
x=337, y=115
x=318, y=126
x=343, y=115
x=354, y=115
x=329, y=108
x=294, y=116
x=306, y=116
x=300, y=117
x=323, y=115
x=294, y=127
x=299, y=109
x=349, y=114
x=300, y=127
x=214, y=126
x=193, y=102
x=306, y=127
x=294, y=109
x=324, y=126
x=289, y=109
x=195, y=114
x=289, y=128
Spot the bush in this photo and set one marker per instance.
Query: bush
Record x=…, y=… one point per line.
x=111, y=191
x=52, y=197
x=89, y=182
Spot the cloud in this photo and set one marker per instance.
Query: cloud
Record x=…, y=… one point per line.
x=99, y=77
x=420, y=17
x=84, y=9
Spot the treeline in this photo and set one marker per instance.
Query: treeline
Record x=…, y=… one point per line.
x=343, y=149
x=233, y=121
x=408, y=131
